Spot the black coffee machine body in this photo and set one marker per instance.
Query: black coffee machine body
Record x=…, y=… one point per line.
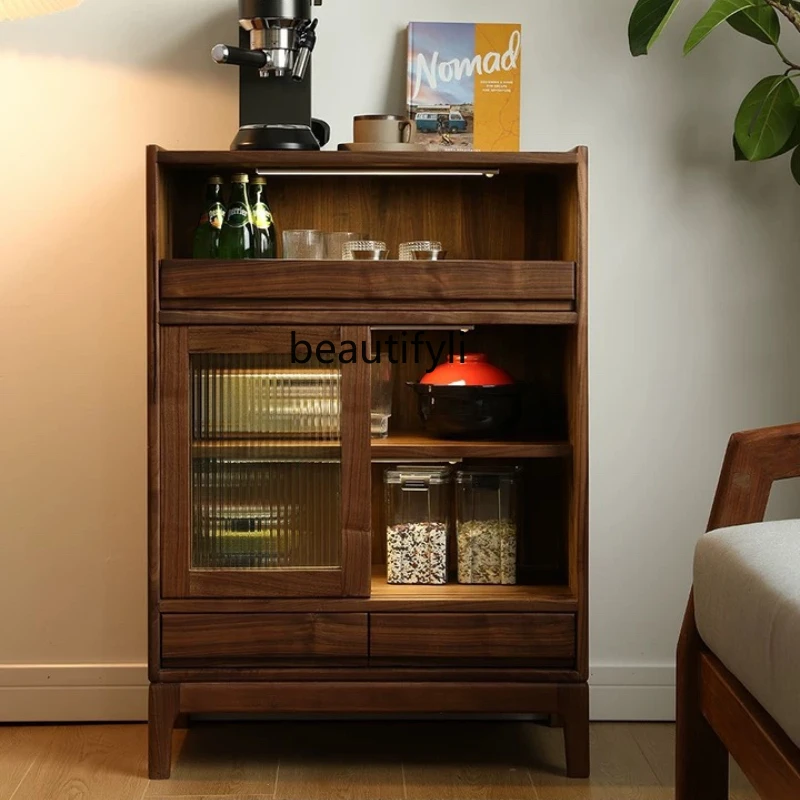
x=276, y=40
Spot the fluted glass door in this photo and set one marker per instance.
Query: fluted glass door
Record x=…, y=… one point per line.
x=266, y=466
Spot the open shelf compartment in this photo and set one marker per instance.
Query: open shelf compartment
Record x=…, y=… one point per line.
x=522, y=213
x=542, y=549
x=534, y=356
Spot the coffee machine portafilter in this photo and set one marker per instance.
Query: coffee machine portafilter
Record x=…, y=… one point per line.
x=276, y=40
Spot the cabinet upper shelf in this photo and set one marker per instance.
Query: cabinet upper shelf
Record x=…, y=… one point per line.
x=333, y=160
x=426, y=447
x=450, y=281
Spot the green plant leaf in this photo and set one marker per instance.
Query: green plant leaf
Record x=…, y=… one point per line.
x=738, y=155
x=759, y=22
x=767, y=117
x=720, y=11
x=647, y=21
x=794, y=141
x=796, y=164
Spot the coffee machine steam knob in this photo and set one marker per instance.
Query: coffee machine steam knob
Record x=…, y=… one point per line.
x=306, y=39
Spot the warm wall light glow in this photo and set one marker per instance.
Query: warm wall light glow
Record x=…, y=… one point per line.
x=18, y=9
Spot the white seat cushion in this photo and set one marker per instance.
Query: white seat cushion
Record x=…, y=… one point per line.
x=747, y=604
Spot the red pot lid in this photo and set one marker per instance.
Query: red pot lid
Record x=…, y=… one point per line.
x=475, y=370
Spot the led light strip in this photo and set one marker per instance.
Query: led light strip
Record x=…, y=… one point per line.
x=461, y=328
x=442, y=460
x=389, y=173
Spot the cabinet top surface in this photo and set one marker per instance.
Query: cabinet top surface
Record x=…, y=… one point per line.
x=335, y=160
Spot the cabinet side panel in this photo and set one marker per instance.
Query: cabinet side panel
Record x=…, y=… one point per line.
x=175, y=403
x=573, y=231
x=155, y=234
x=356, y=468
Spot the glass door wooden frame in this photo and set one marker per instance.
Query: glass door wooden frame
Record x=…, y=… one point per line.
x=178, y=580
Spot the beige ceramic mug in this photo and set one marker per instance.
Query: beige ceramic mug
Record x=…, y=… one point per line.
x=382, y=129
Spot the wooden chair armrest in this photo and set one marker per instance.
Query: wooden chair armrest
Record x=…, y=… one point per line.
x=753, y=462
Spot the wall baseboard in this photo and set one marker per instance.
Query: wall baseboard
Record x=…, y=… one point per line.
x=632, y=694
x=73, y=692
x=118, y=693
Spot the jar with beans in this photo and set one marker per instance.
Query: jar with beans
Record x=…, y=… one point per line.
x=487, y=523
x=417, y=524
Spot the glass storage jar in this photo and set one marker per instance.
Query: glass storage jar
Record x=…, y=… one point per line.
x=417, y=524
x=381, y=379
x=487, y=522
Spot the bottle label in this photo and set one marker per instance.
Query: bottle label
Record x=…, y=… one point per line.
x=262, y=216
x=216, y=215
x=238, y=216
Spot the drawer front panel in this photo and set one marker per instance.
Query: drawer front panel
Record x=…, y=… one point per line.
x=480, y=638
x=261, y=639
x=449, y=281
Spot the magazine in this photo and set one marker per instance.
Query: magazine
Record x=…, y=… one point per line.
x=464, y=85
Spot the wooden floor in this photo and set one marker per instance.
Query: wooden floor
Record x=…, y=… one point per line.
x=339, y=761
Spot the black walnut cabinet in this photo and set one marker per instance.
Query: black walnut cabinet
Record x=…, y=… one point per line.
x=267, y=551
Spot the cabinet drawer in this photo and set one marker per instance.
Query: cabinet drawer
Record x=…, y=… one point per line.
x=261, y=639
x=484, y=281
x=485, y=638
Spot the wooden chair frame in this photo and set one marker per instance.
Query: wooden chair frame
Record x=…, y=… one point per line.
x=716, y=715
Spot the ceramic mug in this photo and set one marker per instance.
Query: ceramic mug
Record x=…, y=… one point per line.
x=381, y=129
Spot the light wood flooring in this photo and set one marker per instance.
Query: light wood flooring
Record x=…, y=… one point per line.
x=339, y=761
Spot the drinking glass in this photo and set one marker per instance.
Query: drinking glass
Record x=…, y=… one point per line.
x=335, y=244
x=303, y=245
x=365, y=251
x=421, y=251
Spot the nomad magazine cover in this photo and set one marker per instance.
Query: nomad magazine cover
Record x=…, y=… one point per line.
x=464, y=85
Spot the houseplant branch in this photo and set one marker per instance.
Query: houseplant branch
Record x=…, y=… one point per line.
x=783, y=56
x=790, y=12
x=768, y=122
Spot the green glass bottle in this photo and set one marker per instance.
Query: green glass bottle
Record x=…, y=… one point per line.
x=206, y=237
x=265, y=238
x=236, y=237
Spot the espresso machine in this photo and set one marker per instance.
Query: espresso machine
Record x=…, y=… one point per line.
x=276, y=40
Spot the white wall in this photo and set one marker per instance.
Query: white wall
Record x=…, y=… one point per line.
x=695, y=284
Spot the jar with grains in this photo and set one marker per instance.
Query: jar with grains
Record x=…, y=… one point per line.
x=417, y=524
x=487, y=524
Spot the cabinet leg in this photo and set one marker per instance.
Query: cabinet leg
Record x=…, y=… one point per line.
x=574, y=702
x=164, y=707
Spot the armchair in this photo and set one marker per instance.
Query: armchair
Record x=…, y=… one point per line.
x=738, y=662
